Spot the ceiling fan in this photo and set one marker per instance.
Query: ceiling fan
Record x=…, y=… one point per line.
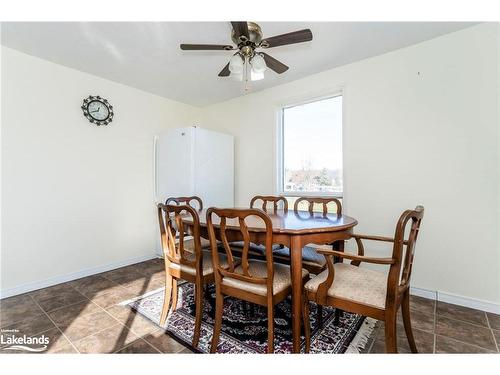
x=247, y=63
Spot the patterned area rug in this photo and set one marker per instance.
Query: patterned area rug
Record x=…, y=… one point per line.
x=245, y=331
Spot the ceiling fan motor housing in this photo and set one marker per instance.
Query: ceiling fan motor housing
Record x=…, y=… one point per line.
x=245, y=45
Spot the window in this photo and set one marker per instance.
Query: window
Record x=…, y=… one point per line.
x=310, y=159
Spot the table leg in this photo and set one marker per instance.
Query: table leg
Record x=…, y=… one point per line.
x=338, y=246
x=296, y=269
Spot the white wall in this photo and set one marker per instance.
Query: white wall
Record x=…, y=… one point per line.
x=75, y=197
x=421, y=127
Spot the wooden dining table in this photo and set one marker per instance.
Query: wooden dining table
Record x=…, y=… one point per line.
x=293, y=229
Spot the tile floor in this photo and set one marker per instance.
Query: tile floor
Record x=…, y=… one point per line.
x=82, y=316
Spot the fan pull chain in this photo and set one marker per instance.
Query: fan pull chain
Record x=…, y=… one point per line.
x=246, y=73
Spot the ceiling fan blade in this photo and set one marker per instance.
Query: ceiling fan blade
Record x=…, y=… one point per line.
x=274, y=64
x=288, y=38
x=225, y=72
x=240, y=29
x=206, y=47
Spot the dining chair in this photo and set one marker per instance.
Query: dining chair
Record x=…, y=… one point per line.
x=275, y=200
x=187, y=201
x=194, y=266
x=257, y=251
x=368, y=292
x=323, y=201
x=205, y=244
x=261, y=282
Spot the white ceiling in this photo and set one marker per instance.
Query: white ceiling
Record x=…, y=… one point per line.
x=146, y=55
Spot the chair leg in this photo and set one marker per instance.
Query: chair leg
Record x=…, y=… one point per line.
x=208, y=296
x=219, y=304
x=270, y=328
x=390, y=332
x=319, y=316
x=174, y=294
x=307, y=324
x=166, y=301
x=199, y=311
x=405, y=309
x=338, y=314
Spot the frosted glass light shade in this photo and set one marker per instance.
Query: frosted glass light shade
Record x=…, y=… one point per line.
x=256, y=76
x=258, y=64
x=236, y=76
x=236, y=64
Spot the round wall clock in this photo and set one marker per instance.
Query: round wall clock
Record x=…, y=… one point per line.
x=97, y=110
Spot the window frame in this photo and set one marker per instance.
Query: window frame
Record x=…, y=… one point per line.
x=280, y=147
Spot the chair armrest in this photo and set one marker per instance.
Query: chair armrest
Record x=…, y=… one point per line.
x=374, y=238
x=322, y=291
x=358, y=258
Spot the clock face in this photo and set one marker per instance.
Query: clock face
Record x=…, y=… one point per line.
x=97, y=110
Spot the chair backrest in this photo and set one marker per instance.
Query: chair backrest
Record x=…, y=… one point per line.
x=185, y=200
x=403, y=252
x=275, y=200
x=240, y=218
x=172, y=227
x=318, y=200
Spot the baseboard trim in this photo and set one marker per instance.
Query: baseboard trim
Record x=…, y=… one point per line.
x=424, y=293
x=457, y=300
x=29, y=287
x=469, y=302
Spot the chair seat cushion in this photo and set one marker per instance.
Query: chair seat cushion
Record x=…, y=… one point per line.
x=355, y=284
x=309, y=255
x=207, y=263
x=281, y=281
x=189, y=244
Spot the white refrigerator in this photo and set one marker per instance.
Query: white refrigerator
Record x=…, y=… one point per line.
x=194, y=161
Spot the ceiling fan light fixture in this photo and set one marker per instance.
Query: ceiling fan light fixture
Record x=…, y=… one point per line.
x=258, y=63
x=236, y=64
x=247, y=64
